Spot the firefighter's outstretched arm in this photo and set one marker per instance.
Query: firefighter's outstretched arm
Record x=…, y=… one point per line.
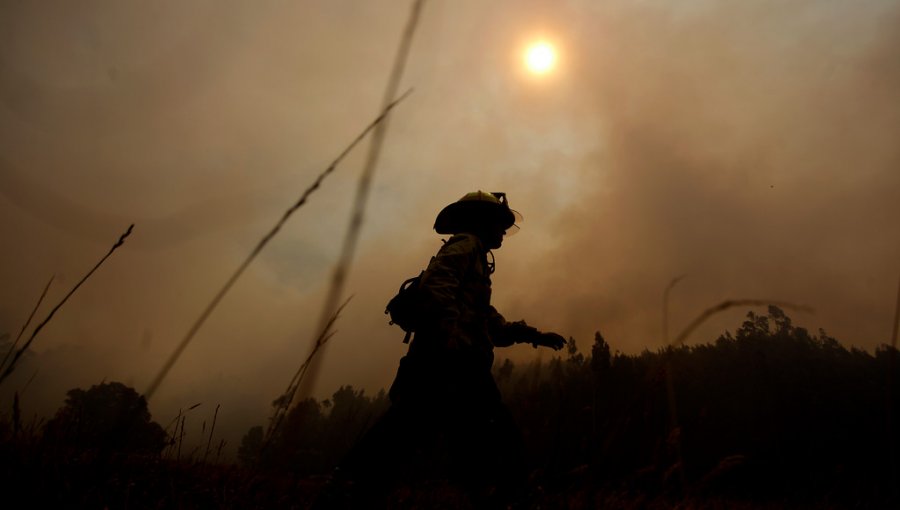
x=504, y=333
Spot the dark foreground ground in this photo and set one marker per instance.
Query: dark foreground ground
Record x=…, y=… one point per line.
x=771, y=417
x=35, y=477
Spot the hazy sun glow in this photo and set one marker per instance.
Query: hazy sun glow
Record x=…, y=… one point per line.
x=540, y=57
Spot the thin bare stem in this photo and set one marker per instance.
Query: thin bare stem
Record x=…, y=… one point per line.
x=674, y=431
x=173, y=358
x=171, y=446
x=180, y=438
x=323, y=338
x=287, y=397
x=27, y=384
x=700, y=319
x=37, y=305
x=211, y=430
x=222, y=444
x=342, y=268
x=174, y=421
x=12, y=364
x=724, y=305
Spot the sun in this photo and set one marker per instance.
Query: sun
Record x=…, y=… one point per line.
x=540, y=57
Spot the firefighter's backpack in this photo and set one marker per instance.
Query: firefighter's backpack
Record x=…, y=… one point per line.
x=405, y=309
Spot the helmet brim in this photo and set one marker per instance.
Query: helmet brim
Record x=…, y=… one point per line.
x=472, y=215
x=515, y=227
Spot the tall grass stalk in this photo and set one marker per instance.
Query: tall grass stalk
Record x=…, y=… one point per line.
x=12, y=348
x=28, y=383
x=674, y=431
x=665, y=308
x=287, y=398
x=170, y=446
x=174, y=420
x=181, y=437
x=725, y=305
x=222, y=444
x=173, y=358
x=177, y=434
x=212, y=429
x=12, y=364
x=342, y=268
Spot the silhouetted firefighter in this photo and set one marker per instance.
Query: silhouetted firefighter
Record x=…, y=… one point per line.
x=447, y=420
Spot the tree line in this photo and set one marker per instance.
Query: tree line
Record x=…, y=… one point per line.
x=771, y=411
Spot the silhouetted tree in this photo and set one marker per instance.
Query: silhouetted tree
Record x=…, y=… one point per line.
x=314, y=435
x=251, y=447
x=572, y=350
x=770, y=411
x=110, y=417
x=600, y=356
x=503, y=372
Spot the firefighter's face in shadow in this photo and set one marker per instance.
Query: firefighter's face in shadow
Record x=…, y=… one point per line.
x=491, y=236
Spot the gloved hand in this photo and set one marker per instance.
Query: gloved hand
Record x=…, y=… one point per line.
x=552, y=340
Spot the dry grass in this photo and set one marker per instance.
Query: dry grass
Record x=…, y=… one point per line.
x=12, y=364
x=207, y=311
x=287, y=398
x=348, y=249
x=12, y=348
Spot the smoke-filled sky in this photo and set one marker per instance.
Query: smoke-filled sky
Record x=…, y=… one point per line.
x=752, y=146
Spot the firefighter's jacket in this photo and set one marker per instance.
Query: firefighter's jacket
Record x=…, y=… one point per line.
x=456, y=301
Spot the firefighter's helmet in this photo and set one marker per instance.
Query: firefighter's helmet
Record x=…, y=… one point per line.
x=476, y=210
